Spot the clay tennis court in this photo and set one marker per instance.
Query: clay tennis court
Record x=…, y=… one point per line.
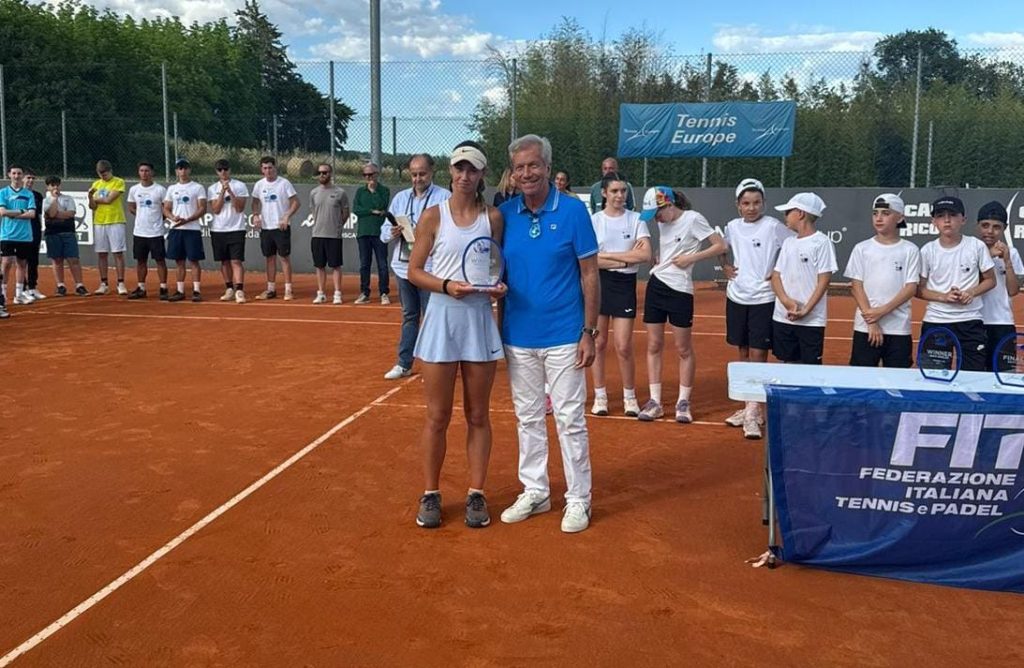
x=126, y=423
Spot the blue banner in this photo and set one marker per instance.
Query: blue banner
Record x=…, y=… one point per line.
x=707, y=130
x=923, y=486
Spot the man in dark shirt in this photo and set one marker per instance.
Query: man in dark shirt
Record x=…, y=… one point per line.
x=370, y=206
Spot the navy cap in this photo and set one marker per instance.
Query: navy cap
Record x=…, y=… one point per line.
x=948, y=203
x=993, y=211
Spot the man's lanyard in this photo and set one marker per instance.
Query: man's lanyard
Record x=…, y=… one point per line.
x=412, y=200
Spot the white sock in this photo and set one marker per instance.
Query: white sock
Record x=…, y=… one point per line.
x=684, y=392
x=120, y=282
x=287, y=287
x=629, y=393
x=656, y=392
x=319, y=293
x=753, y=409
x=181, y=286
x=600, y=393
x=473, y=490
x=18, y=290
x=163, y=286
x=337, y=293
x=431, y=491
x=271, y=287
x=60, y=285
x=196, y=286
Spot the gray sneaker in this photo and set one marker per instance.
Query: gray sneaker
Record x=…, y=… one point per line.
x=429, y=515
x=651, y=411
x=477, y=516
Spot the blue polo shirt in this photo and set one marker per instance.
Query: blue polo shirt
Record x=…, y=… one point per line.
x=16, y=229
x=544, y=304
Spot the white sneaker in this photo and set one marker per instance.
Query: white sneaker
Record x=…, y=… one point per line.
x=24, y=298
x=751, y=429
x=632, y=408
x=228, y=295
x=363, y=299
x=600, y=406
x=737, y=419
x=526, y=505
x=337, y=298
x=102, y=290
x=36, y=294
x=397, y=371
x=121, y=289
x=385, y=300
x=239, y=296
x=288, y=296
x=319, y=299
x=575, y=517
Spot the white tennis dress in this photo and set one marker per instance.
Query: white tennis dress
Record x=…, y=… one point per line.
x=457, y=330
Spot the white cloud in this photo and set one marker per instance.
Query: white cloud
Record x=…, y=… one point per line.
x=1001, y=40
x=750, y=39
x=496, y=95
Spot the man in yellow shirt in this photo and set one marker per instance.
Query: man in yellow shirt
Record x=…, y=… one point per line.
x=106, y=199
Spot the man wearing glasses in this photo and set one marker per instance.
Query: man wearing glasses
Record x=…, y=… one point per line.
x=411, y=203
x=274, y=202
x=370, y=206
x=227, y=197
x=548, y=327
x=109, y=224
x=329, y=207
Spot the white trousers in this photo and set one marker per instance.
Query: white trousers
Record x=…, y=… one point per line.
x=528, y=370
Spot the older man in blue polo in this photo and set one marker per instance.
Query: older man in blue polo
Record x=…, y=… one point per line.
x=548, y=326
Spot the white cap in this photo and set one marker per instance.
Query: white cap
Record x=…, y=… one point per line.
x=469, y=154
x=749, y=184
x=806, y=202
x=888, y=201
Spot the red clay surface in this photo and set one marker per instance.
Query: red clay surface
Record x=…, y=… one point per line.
x=124, y=423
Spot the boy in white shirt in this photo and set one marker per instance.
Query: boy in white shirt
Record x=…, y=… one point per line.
x=800, y=281
x=955, y=271
x=184, y=207
x=997, y=306
x=754, y=240
x=884, y=271
x=145, y=203
x=274, y=202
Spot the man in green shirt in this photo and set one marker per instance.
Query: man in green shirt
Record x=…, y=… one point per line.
x=370, y=206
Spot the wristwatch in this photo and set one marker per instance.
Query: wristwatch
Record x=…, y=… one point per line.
x=592, y=331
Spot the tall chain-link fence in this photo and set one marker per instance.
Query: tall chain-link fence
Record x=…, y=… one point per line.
x=857, y=118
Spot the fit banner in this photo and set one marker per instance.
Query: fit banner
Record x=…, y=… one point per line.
x=923, y=486
x=707, y=130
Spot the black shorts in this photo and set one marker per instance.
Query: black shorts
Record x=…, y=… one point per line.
x=618, y=294
x=973, y=341
x=749, y=325
x=798, y=343
x=228, y=245
x=662, y=303
x=896, y=351
x=145, y=247
x=325, y=252
x=994, y=334
x=276, y=242
x=185, y=245
x=19, y=249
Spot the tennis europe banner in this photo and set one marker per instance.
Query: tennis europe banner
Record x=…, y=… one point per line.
x=707, y=130
x=923, y=486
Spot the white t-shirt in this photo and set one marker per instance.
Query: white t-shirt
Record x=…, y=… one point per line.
x=149, y=212
x=801, y=261
x=619, y=234
x=884, y=270
x=184, y=199
x=961, y=266
x=755, y=248
x=682, y=236
x=228, y=220
x=274, y=197
x=995, y=304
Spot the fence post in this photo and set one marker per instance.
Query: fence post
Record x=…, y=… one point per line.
x=707, y=98
x=645, y=172
x=782, y=173
x=333, y=128
x=917, y=120
x=375, y=82
x=177, y=153
x=64, y=140
x=274, y=120
x=3, y=119
x=928, y=168
x=513, y=124
x=167, y=143
x=394, y=146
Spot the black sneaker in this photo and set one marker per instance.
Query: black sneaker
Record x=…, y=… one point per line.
x=196, y=297
x=176, y=297
x=429, y=515
x=164, y=297
x=137, y=293
x=81, y=291
x=62, y=291
x=477, y=516
x=3, y=313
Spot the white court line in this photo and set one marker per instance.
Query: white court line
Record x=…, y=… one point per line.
x=89, y=314
x=130, y=574
x=595, y=417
